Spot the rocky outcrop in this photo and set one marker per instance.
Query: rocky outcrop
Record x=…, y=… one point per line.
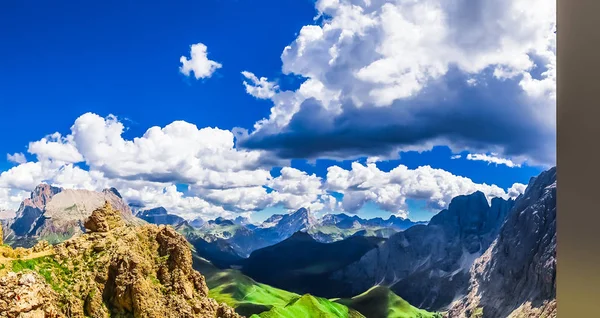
x=428, y=265
x=516, y=277
x=104, y=219
x=27, y=295
x=119, y=270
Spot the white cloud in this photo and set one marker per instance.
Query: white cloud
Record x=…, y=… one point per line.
x=55, y=147
x=390, y=190
x=295, y=189
x=516, y=190
x=198, y=62
x=455, y=157
x=395, y=64
x=259, y=87
x=223, y=180
x=492, y=159
x=18, y=157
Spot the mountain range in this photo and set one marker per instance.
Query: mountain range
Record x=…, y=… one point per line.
x=55, y=214
x=479, y=257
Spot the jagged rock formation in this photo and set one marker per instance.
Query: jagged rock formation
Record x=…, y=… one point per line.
x=57, y=214
x=516, y=277
x=118, y=270
x=428, y=265
x=159, y=216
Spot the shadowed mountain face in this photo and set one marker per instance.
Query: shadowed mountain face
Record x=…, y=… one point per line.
x=428, y=264
x=159, y=216
x=517, y=274
x=302, y=265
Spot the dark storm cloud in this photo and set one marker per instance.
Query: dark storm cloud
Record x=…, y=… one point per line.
x=491, y=116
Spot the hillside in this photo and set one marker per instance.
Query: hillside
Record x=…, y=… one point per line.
x=114, y=269
x=381, y=302
x=310, y=306
x=239, y=291
x=302, y=265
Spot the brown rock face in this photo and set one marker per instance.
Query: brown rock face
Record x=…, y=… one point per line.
x=104, y=219
x=27, y=295
x=117, y=270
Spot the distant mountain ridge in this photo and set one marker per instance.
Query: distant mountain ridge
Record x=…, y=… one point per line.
x=346, y=221
x=245, y=237
x=159, y=216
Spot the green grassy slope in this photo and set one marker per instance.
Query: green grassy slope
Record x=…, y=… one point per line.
x=256, y=300
x=241, y=292
x=380, y=302
x=310, y=306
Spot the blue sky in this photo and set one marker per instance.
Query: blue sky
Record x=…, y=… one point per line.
x=62, y=60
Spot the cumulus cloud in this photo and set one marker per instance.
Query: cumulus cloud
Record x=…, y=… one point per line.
x=198, y=63
x=492, y=159
x=18, y=157
x=222, y=179
x=389, y=76
x=516, y=190
x=260, y=88
x=56, y=147
x=390, y=190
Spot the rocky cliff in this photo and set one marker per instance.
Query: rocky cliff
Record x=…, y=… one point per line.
x=516, y=277
x=428, y=265
x=114, y=270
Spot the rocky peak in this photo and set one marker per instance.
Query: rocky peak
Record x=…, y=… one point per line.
x=466, y=215
x=304, y=216
x=221, y=221
x=153, y=212
x=301, y=236
x=104, y=219
x=38, y=198
x=113, y=191
x=42, y=194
